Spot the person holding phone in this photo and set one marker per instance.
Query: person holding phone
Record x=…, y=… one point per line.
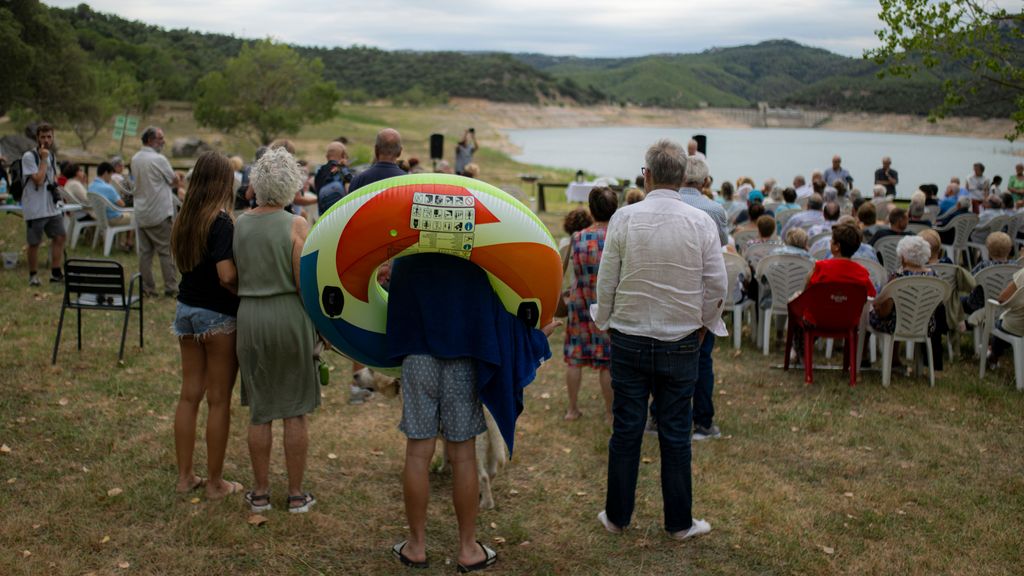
x=464, y=151
x=39, y=200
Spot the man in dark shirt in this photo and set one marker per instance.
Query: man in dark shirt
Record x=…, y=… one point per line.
x=887, y=177
x=332, y=179
x=898, y=222
x=386, y=151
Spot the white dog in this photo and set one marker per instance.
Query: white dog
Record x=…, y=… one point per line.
x=491, y=455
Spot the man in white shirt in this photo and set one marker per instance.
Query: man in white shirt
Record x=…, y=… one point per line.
x=154, y=184
x=660, y=289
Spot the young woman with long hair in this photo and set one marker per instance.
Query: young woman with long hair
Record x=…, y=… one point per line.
x=201, y=242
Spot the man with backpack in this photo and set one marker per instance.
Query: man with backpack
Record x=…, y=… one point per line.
x=331, y=182
x=36, y=176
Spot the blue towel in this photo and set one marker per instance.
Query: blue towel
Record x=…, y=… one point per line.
x=444, y=306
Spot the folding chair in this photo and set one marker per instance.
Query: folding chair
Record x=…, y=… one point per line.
x=93, y=284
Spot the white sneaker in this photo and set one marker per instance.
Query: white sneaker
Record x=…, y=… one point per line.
x=698, y=528
x=33, y=280
x=603, y=517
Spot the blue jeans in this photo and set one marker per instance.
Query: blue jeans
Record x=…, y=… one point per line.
x=704, y=395
x=642, y=367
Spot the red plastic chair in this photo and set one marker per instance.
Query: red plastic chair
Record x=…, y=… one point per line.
x=827, y=310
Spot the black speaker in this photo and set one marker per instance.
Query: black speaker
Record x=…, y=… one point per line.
x=436, y=146
x=702, y=143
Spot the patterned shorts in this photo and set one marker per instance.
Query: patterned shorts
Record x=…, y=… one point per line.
x=440, y=395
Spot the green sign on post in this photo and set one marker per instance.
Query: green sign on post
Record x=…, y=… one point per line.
x=131, y=125
x=119, y=122
x=118, y=133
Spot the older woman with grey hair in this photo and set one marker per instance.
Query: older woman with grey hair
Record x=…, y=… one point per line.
x=914, y=253
x=275, y=336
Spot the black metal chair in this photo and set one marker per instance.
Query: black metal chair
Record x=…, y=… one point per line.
x=96, y=284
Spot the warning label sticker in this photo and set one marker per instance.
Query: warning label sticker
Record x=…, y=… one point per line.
x=445, y=221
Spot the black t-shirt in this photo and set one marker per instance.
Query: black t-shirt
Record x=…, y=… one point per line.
x=200, y=287
x=890, y=189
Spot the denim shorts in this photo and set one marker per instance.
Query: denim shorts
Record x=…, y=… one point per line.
x=199, y=322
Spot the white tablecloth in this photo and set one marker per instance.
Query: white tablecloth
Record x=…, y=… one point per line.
x=578, y=191
x=17, y=209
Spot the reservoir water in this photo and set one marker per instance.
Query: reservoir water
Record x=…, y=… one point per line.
x=773, y=152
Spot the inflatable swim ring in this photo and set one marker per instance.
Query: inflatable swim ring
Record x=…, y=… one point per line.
x=421, y=213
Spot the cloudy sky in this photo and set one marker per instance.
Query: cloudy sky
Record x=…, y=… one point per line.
x=593, y=28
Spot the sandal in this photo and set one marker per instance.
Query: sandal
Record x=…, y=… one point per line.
x=301, y=503
x=396, y=551
x=490, y=557
x=258, y=502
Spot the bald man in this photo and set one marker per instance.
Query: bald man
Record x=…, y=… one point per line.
x=886, y=176
x=332, y=179
x=386, y=151
x=837, y=172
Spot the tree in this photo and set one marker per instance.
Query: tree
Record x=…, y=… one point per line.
x=267, y=91
x=977, y=47
x=110, y=89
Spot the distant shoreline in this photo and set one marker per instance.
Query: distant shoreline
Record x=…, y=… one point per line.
x=502, y=116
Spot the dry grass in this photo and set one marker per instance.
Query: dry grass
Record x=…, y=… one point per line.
x=807, y=480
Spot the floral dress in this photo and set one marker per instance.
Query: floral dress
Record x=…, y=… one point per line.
x=585, y=344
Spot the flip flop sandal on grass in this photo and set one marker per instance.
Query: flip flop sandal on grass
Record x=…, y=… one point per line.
x=301, y=503
x=396, y=551
x=490, y=557
x=258, y=502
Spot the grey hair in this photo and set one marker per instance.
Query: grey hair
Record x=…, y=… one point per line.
x=918, y=196
x=914, y=250
x=963, y=202
x=915, y=210
x=148, y=134
x=696, y=171
x=830, y=195
x=666, y=161
x=878, y=191
x=117, y=161
x=276, y=177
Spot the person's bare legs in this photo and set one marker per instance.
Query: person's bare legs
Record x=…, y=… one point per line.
x=56, y=251
x=466, y=497
x=573, y=378
x=221, y=368
x=261, y=440
x=606, y=390
x=193, y=365
x=416, y=491
x=296, y=446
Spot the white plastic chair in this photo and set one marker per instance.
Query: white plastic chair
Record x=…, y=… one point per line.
x=931, y=212
x=781, y=218
x=1014, y=226
x=917, y=228
x=887, y=248
x=786, y=275
x=948, y=273
x=992, y=311
x=814, y=239
x=915, y=299
x=755, y=252
x=76, y=225
x=741, y=239
x=996, y=224
x=821, y=252
x=735, y=266
x=963, y=225
x=99, y=207
x=993, y=281
x=879, y=275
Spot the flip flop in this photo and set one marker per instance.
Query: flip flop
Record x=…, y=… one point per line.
x=490, y=557
x=234, y=487
x=396, y=551
x=198, y=483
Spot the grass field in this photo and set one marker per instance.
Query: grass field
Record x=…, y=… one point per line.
x=806, y=480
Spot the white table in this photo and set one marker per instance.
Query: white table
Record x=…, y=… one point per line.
x=579, y=191
x=19, y=210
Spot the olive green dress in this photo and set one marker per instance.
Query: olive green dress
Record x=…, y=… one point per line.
x=275, y=336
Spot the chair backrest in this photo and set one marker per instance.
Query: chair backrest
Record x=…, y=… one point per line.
x=814, y=239
x=741, y=238
x=99, y=206
x=755, y=252
x=887, y=248
x=93, y=276
x=915, y=299
x=1013, y=227
x=996, y=224
x=782, y=217
x=879, y=275
x=821, y=252
x=831, y=305
x=946, y=271
x=995, y=278
x=931, y=212
x=963, y=224
x=786, y=274
x=916, y=228
x=803, y=202
x=735, y=267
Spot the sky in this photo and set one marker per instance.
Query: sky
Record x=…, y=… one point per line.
x=596, y=28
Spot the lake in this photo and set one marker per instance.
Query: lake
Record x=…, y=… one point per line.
x=781, y=153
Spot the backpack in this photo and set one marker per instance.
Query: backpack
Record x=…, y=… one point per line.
x=331, y=186
x=17, y=187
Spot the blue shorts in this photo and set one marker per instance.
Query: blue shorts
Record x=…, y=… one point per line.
x=200, y=322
